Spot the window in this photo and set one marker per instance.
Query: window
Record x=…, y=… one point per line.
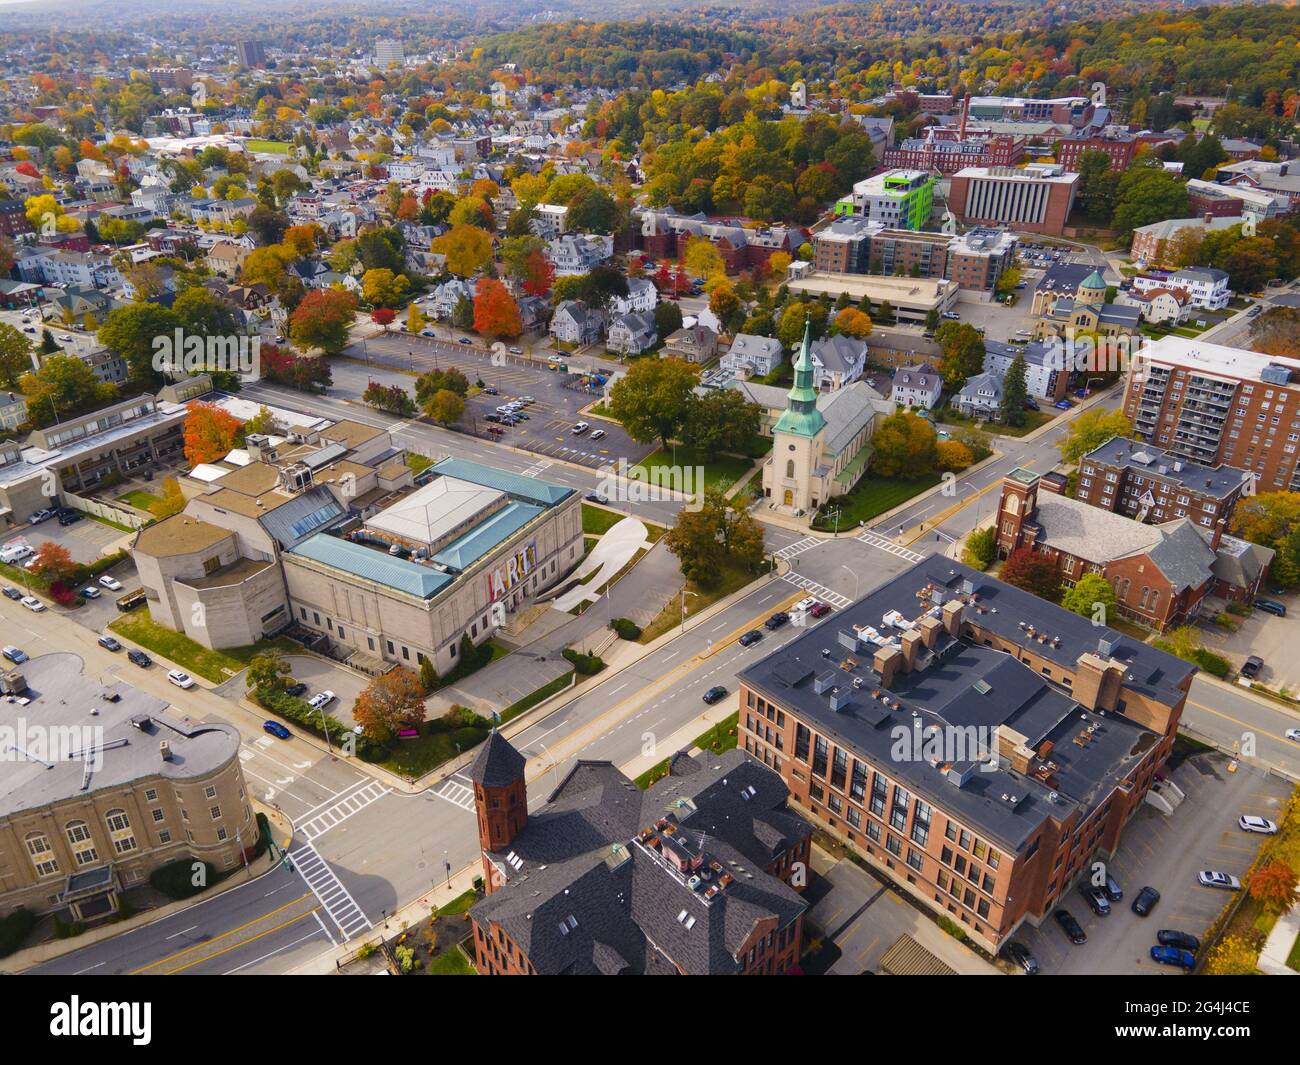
x=921, y=823
x=858, y=785
x=821, y=751
x=83, y=845
x=43, y=859
x=839, y=768
x=802, y=738
x=119, y=831
x=898, y=814
x=879, y=786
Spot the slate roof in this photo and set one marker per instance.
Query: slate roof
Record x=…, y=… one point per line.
x=497, y=763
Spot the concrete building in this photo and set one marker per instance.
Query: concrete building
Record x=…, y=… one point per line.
x=1029, y=738
x=1218, y=405
x=898, y=199
x=698, y=875
x=77, y=828
x=911, y=298
x=1033, y=199
x=389, y=52
x=855, y=245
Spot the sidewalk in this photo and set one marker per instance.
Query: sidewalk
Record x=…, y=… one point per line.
x=1272, y=959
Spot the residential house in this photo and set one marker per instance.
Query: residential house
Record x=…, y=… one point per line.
x=1208, y=288
x=694, y=343
x=575, y=323
x=752, y=356
x=641, y=296
x=837, y=361
x=980, y=397
x=631, y=333
x=917, y=386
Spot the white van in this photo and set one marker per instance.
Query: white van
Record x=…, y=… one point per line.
x=16, y=552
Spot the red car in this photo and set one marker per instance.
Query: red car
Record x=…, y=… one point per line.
x=820, y=610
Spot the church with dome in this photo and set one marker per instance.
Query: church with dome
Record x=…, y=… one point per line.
x=1084, y=311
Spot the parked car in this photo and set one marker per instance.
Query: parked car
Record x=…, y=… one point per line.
x=1170, y=937
x=597, y=434
x=321, y=700
x=820, y=610
x=715, y=694
x=490, y=390
x=1113, y=891
x=12, y=593
x=1262, y=825
x=1251, y=667
x=14, y=654
x=44, y=514
x=181, y=680
x=1215, y=879
x=580, y=428
x=109, y=643
x=952, y=316
x=90, y=592
x=1145, y=901
x=1183, y=959
x=1271, y=606
x=139, y=658
x=111, y=583
x=1064, y=404
x=68, y=516
x=1072, y=928
x=296, y=689
x=464, y=340
x=776, y=620
x=516, y=351
x=750, y=638
x=32, y=603
x=276, y=729
x=1096, y=899
x=1019, y=953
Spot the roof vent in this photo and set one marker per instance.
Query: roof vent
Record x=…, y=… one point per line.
x=165, y=749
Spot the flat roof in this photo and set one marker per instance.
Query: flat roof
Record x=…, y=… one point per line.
x=436, y=510
x=371, y=564
x=180, y=534
x=1194, y=354
x=899, y=291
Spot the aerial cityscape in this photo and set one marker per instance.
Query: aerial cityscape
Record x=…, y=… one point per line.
x=673, y=488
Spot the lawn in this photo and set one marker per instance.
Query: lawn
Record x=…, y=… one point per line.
x=721, y=737
x=279, y=147
x=596, y=521
x=139, y=498
x=460, y=904
x=733, y=578
x=720, y=471
x=216, y=666
x=451, y=963
x=871, y=497
x=1034, y=419
x=417, y=463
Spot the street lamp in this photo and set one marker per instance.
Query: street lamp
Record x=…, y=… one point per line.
x=685, y=593
x=857, y=581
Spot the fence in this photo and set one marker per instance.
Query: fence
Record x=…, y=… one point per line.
x=102, y=509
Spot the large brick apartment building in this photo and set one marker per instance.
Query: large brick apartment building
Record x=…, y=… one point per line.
x=698, y=875
x=975, y=260
x=1213, y=404
x=978, y=745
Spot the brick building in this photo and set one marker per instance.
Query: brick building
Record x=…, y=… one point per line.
x=978, y=746
x=1120, y=150
x=941, y=151
x=854, y=245
x=698, y=875
x=1036, y=200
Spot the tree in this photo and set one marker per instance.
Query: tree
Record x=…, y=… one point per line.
x=495, y=312
x=705, y=539
x=1277, y=332
x=952, y=455
x=852, y=322
x=1233, y=956
x=15, y=355
x=445, y=407
x=268, y=673
x=392, y=399
x=210, y=432
x=1090, y=430
x=790, y=327
x=391, y=702
x=1266, y=518
x=724, y=303
x=64, y=385
x=53, y=562
x=384, y=316
x=428, y=675
x=323, y=320
x=467, y=249
x=981, y=548
x=702, y=258
x=1096, y=187
x=1148, y=193
x=904, y=447
x=1015, y=391
x=1273, y=884
x=963, y=353
x=414, y=319
x=172, y=501
x=1035, y=573
x=262, y=422
x=435, y=380
x=668, y=318
x=129, y=333
x=202, y=313
x=383, y=288
x=652, y=399
x=722, y=420
x=1092, y=597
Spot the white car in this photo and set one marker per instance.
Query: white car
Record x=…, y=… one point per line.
x=580, y=428
x=1251, y=823
x=32, y=603
x=1227, y=881
x=90, y=592
x=597, y=434
x=806, y=603
x=181, y=680
x=321, y=700
x=111, y=584
x=1293, y=734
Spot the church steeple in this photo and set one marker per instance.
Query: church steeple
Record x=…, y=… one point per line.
x=801, y=416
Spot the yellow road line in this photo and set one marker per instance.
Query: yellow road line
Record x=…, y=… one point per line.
x=957, y=508
x=238, y=928
x=1235, y=721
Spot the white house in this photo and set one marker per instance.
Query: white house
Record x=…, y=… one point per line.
x=837, y=361
x=1207, y=287
x=752, y=356
x=631, y=333
x=642, y=296
x=574, y=254
x=917, y=386
x=575, y=323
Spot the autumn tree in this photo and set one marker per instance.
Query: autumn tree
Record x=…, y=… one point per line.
x=904, y=447
x=1032, y=572
x=323, y=320
x=383, y=288
x=53, y=562
x=704, y=539
x=210, y=432
x=852, y=322
x=1273, y=884
x=172, y=501
x=15, y=355
x=963, y=353
x=1090, y=430
x=445, y=407
x=952, y=455
x=653, y=398
x=466, y=248
x=391, y=702
x=1091, y=597
x=495, y=312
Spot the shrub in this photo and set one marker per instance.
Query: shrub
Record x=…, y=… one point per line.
x=627, y=630
x=981, y=548
x=14, y=929
x=1226, y=621
x=1215, y=665
x=1242, y=610
x=586, y=664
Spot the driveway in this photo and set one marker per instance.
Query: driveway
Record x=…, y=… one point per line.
x=1272, y=638
x=1166, y=852
x=319, y=675
x=86, y=540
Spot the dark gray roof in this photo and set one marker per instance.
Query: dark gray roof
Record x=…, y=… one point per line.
x=1147, y=460
x=497, y=763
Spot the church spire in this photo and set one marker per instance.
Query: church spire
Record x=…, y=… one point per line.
x=801, y=416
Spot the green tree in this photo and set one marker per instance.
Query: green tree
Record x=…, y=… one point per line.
x=15, y=355
x=129, y=333
x=1096, y=187
x=720, y=531
x=722, y=420
x=963, y=353
x=1015, y=391
x=981, y=548
x=1092, y=597
x=653, y=398
x=445, y=407
x=1148, y=193
x=1090, y=430
x=904, y=447
x=268, y=673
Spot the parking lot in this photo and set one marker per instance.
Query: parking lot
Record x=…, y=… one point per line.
x=1271, y=638
x=319, y=675
x=1166, y=853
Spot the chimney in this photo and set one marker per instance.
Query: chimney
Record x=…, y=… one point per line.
x=1217, y=536
x=1097, y=682
x=952, y=615
x=887, y=662
x=165, y=749
x=930, y=628
x=1014, y=747
x=911, y=641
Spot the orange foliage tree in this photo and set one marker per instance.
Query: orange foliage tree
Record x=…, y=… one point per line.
x=495, y=312
x=393, y=701
x=210, y=432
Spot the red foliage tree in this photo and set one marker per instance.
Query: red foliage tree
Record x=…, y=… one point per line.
x=539, y=274
x=210, y=432
x=383, y=316
x=495, y=312
x=1035, y=573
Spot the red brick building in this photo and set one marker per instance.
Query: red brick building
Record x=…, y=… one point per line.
x=1119, y=150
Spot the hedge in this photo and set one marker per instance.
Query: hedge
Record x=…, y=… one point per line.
x=626, y=629
x=587, y=665
x=299, y=711
x=14, y=930
x=1216, y=665
x=176, y=879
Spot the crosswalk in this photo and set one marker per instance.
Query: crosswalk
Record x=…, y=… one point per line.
x=340, y=811
x=885, y=544
x=457, y=794
x=798, y=548
x=819, y=590
x=537, y=469
x=334, y=897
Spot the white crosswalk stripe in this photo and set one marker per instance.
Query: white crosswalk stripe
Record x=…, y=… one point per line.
x=819, y=590
x=885, y=544
x=537, y=469
x=457, y=794
x=327, y=887
x=340, y=811
x=807, y=543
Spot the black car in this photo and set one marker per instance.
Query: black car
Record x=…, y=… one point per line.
x=1096, y=899
x=1113, y=891
x=1170, y=937
x=491, y=417
x=490, y=390
x=1019, y=953
x=750, y=638
x=109, y=643
x=13, y=593
x=1251, y=667
x=776, y=620
x=1072, y=928
x=67, y=516
x=715, y=695
x=139, y=658
x=295, y=689
x=594, y=497
x=1146, y=901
